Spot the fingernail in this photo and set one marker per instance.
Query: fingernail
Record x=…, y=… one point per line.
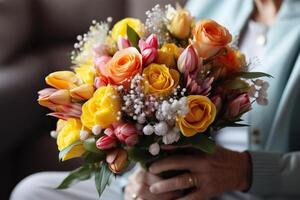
x=153, y=189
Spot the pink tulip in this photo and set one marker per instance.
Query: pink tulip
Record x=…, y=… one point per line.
x=189, y=61
x=126, y=133
x=123, y=43
x=217, y=101
x=238, y=106
x=149, y=49
x=106, y=142
x=64, y=112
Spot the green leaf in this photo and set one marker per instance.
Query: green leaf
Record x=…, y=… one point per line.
x=63, y=152
x=94, y=157
x=252, y=75
x=236, y=84
x=133, y=36
x=102, y=176
x=90, y=145
x=199, y=141
x=80, y=174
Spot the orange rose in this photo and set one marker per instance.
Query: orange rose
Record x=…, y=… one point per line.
x=123, y=66
x=231, y=60
x=210, y=37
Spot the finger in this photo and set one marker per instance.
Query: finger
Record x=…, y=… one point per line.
x=151, y=178
x=180, y=182
x=173, y=163
x=198, y=195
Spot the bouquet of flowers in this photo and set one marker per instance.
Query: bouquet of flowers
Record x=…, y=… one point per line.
x=136, y=88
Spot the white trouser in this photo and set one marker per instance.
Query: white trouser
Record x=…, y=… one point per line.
x=41, y=186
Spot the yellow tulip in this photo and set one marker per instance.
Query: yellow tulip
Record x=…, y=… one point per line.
x=168, y=54
x=180, y=26
x=102, y=109
x=68, y=134
x=202, y=113
x=62, y=80
x=82, y=92
x=159, y=80
x=120, y=28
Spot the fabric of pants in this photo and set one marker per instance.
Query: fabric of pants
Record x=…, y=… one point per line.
x=41, y=186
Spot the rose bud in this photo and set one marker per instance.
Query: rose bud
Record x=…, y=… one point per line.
x=117, y=160
x=123, y=43
x=126, y=133
x=62, y=80
x=218, y=102
x=82, y=92
x=51, y=97
x=149, y=49
x=238, y=106
x=180, y=25
x=106, y=142
x=188, y=60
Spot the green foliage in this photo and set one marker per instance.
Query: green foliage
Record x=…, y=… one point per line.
x=94, y=157
x=63, y=152
x=90, y=145
x=252, y=75
x=199, y=141
x=102, y=178
x=236, y=84
x=133, y=37
x=80, y=174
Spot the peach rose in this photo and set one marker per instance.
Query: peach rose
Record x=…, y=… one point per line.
x=210, y=37
x=123, y=66
x=231, y=59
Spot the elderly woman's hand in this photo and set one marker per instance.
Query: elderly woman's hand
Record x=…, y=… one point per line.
x=210, y=175
x=138, y=187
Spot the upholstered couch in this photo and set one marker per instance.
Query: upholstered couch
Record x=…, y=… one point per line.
x=35, y=38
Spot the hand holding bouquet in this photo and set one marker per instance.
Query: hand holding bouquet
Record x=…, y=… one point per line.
x=138, y=87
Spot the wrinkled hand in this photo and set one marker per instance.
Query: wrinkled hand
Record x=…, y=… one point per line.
x=211, y=175
x=138, y=187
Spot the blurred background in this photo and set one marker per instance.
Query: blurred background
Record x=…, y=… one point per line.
x=36, y=37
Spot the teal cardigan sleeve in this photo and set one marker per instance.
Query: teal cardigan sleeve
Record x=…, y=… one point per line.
x=278, y=174
x=275, y=174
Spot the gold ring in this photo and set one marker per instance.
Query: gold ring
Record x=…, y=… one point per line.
x=134, y=196
x=191, y=180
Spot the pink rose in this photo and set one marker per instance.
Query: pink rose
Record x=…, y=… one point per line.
x=238, y=106
x=100, y=63
x=149, y=49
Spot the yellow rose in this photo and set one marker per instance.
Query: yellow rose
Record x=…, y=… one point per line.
x=86, y=73
x=120, y=28
x=159, y=80
x=69, y=132
x=102, y=109
x=62, y=80
x=180, y=25
x=202, y=113
x=168, y=54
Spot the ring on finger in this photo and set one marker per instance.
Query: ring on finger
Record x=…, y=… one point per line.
x=134, y=196
x=192, y=181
